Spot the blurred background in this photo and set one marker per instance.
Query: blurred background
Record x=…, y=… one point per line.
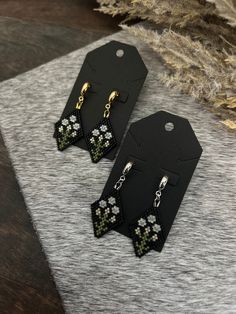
x=33, y=32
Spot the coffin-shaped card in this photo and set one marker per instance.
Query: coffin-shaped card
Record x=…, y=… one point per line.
x=161, y=144
x=114, y=66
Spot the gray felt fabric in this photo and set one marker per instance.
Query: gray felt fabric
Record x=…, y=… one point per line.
x=196, y=271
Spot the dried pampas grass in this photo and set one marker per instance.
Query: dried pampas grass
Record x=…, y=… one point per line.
x=226, y=9
x=197, y=41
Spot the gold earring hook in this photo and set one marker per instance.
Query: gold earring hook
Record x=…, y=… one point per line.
x=111, y=99
x=83, y=91
x=85, y=88
x=113, y=96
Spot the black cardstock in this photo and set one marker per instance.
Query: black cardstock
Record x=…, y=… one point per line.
x=107, y=72
x=155, y=152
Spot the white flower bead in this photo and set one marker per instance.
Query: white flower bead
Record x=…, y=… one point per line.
x=108, y=135
x=73, y=118
x=92, y=140
x=100, y=138
x=142, y=222
x=151, y=219
x=156, y=228
x=76, y=126
x=113, y=219
x=98, y=211
x=95, y=132
x=115, y=210
x=107, y=143
x=107, y=211
x=68, y=127
x=147, y=230
x=103, y=203
x=61, y=129
x=155, y=237
x=103, y=128
x=65, y=122
x=111, y=200
x=137, y=230
x=73, y=134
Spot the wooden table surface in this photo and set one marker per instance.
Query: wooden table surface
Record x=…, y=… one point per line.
x=33, y=32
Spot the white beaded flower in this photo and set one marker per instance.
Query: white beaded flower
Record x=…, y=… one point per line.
x=100, y=138
x=95, y=132
x=115, y=210
x=103, y=203
x=151, y=219
x=65, y=122
x=103, y=128
x=155, y=237
x=92, y=140
x=68, y=127
x=73, y=118
x=61, y=129
x=98, y=211
x=142, y=222
x=108, y=135
x=111, y=200
x=137, y=230
x=73, y=134
x=147, y=230
x=107, y=211
x=76, y=126
x=113, y=219
x=107, y=143
x=156, y=228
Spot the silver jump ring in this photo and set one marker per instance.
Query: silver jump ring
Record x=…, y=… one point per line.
x=122, y=178
x=158, y=193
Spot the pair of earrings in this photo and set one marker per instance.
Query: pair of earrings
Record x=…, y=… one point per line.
x=146, y=232
x=100, y=139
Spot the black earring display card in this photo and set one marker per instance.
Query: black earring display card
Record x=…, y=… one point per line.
x=114, y=66
x=161, y=144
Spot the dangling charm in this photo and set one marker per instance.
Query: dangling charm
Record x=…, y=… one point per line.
x=69, y=129
x=107, y=212
x=101, y=138
x=147, y=232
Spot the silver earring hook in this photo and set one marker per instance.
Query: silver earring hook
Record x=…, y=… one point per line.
x=163, y=182
x=127, y=167
x=122, y=178
x=158, y=193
